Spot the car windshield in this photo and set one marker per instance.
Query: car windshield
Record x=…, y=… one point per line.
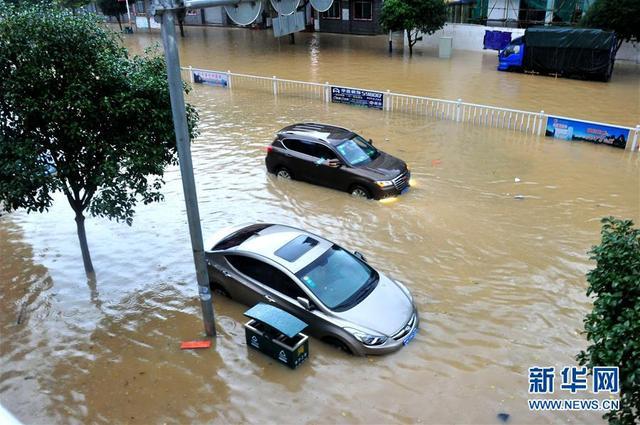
x=357, y=151
x=511, y=49
x=339, y=279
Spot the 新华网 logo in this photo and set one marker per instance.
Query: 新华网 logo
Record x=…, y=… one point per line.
x=574, y=380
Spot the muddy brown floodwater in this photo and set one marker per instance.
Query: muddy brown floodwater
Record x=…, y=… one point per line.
x=499, y=282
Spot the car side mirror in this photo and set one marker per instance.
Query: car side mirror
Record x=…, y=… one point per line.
x=359, y=255
x=305, y=303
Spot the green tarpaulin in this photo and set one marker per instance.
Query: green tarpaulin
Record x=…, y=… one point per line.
x=563, y=37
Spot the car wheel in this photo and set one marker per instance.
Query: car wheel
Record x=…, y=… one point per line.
x=360, y=192
x=284, y=173
x=335, y=342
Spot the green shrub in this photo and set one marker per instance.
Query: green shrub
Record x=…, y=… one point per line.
x=613, y=327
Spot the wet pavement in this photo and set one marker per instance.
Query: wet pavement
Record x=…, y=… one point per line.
x=499, y=281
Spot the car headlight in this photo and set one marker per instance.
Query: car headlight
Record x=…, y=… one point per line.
x=384, y=183
x=366, y=338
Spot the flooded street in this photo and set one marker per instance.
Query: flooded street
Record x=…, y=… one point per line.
x=498, y=281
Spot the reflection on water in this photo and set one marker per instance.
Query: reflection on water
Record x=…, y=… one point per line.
x=498, y=280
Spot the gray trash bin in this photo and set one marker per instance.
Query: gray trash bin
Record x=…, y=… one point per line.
x=277, y=334
x=445, y=45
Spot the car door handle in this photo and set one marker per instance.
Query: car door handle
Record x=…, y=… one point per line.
x=269, y=298
x=221, y=270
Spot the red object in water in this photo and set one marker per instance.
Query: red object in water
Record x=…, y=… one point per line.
x=435, y=162
x=268, y=148
x=187, y=345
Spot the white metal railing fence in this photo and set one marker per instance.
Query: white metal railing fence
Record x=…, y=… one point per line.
x=454, y=110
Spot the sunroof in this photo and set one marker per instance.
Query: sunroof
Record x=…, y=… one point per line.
x=296, y=248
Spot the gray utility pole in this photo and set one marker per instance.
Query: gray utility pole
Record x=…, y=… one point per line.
x=176, y=92
x=165, y=12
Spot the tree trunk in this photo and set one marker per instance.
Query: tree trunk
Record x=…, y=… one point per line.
x=84, y=247
x=181, y=25
x=410, y=44
x=292, y=38
x=119, y=23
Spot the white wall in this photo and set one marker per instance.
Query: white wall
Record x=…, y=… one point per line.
x=471, y=37
x=629, y=52
x=141, y=22
x=499, y=10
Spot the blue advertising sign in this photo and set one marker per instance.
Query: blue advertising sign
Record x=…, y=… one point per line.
x=220, y=79
x=366, y=98
x=561, y=128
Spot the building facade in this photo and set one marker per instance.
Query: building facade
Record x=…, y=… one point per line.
x=352, y=17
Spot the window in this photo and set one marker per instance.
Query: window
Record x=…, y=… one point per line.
x=325, y=152
x=362, y=10
x=266, y=274
x=296, y=248
x=334, y=11
x=140, y=9
x=240, y=236
x=309, y=148
x=301, y=146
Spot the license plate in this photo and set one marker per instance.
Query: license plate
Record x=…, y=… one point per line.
x=410, y=336
x=405, y=190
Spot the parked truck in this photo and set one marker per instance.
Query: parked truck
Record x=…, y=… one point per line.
x=567, y=52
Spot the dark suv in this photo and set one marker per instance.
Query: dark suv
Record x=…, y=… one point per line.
x=338, y=158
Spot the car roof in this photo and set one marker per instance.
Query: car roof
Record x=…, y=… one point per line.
x=324, y=132
x=269, y=240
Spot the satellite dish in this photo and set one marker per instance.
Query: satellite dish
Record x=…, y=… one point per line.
x=285, y=7
x=244, y=13
x=321, y=5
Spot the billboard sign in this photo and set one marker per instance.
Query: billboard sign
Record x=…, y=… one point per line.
x=220, y=79
x=349, y=96
x=565, y=129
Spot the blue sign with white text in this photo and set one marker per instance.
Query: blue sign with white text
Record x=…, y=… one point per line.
x=366, y=98
x=561, y=128
x=211, y=78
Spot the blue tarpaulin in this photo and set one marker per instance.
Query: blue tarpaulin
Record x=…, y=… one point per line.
x=496, y=40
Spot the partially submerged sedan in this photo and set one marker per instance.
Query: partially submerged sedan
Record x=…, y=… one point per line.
x=344, y=300
x=338, y=158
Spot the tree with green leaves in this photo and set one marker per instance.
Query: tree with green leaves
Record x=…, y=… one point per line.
x=619, y=16
x=113, y=8
x=413, y=17
x=613, y=326
x=81, y=117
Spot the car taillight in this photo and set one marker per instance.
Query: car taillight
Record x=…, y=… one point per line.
x=269, y=148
